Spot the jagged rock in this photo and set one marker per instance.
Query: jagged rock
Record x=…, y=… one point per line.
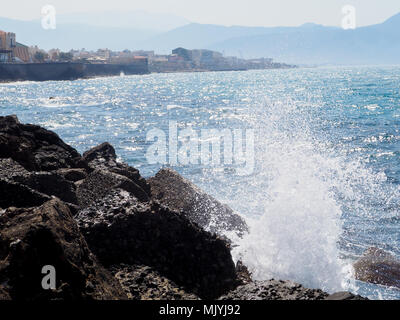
x=243, y=273
x=48, y=183
x=34, y=237
x=144, y=283
x=274, y=290
x=72, y=175
x=174, y=191
x=121, y=229
x=344, y=296
x=100, y=182
x=35, y=148
x=104, y=157
x=379, y=267
x=17, y=195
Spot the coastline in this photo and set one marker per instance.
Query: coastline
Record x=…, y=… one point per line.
x=80, y=71
x=112, y=234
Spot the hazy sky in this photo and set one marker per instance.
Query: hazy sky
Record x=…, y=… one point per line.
x=226, y=12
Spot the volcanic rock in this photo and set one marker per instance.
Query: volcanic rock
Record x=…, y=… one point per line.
x=99, y=183
x=144, y=283
x=47, y=235
x=35, y=148
x=274, y=290
x=179, y=194
x=344, y=296
x=48, y=183
x=379, y=267
x=121, y=229
x=104, y=157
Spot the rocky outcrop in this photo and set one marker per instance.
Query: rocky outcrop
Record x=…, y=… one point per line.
x=35, y=148
x=104, y=157
x=274, y=290
x=121, y=229
x=379, y=267
x=344, y=296
x=23, y=188
x=179, y=194
x=144, y=283
x=100, y=182
x=109, y=233
x=32, y=238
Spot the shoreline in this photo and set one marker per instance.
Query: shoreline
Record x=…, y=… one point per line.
x=113, y=235
x=78, y=74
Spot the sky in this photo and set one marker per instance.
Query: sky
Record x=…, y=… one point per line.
x=223, y=12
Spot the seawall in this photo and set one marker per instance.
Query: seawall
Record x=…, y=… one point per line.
x=66, y=71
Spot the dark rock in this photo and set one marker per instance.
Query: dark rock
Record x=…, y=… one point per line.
x=17, y=195
x=144, y=283
x=344, y=296
x=104, y=157
x=378, y=267
x=100, y=182
x=72, y=175
x=48, y=183
x=35, y=148
x=243, y=273
x=121, y=229
x=274, y=290
x=47, y=235
x=179, y=194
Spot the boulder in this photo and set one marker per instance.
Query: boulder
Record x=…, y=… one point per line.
x=48, y=183
x=344, y=296
x=121, y=229
x=179, y=194
x=379, y=267
x=274, y=290
x=144, y=283
x=104, y=157
x=72, y=175
x=99, y=183
x=35, y=148
x=32, y=238
x=18, y=195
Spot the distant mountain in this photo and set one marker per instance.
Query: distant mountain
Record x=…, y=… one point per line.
x=306, y=44
x=129, y=20
x=77, y=36
x=195, y=36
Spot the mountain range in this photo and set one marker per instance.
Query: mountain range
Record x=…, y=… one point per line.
x=307, y=44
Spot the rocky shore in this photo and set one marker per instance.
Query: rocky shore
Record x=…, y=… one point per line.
x=111, y=234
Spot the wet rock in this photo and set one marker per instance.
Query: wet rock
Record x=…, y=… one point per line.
x=104, y=157
x=100, y=182
x=72, y=175
x=17, y=195
x=48, y=183
x=47, y=235
x=121, y=229
x=35, y=148
x=379, y=267
x=179, y=194
x=345, y=296
x=274, y=290
x=144, y=283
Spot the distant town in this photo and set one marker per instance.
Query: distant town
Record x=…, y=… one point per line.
x=179, y=60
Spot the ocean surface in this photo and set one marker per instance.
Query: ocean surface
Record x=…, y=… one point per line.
x=325, y=184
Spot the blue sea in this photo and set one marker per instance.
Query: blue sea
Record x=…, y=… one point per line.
x=325, y=184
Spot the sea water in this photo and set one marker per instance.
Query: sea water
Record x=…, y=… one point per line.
x=326, y=179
